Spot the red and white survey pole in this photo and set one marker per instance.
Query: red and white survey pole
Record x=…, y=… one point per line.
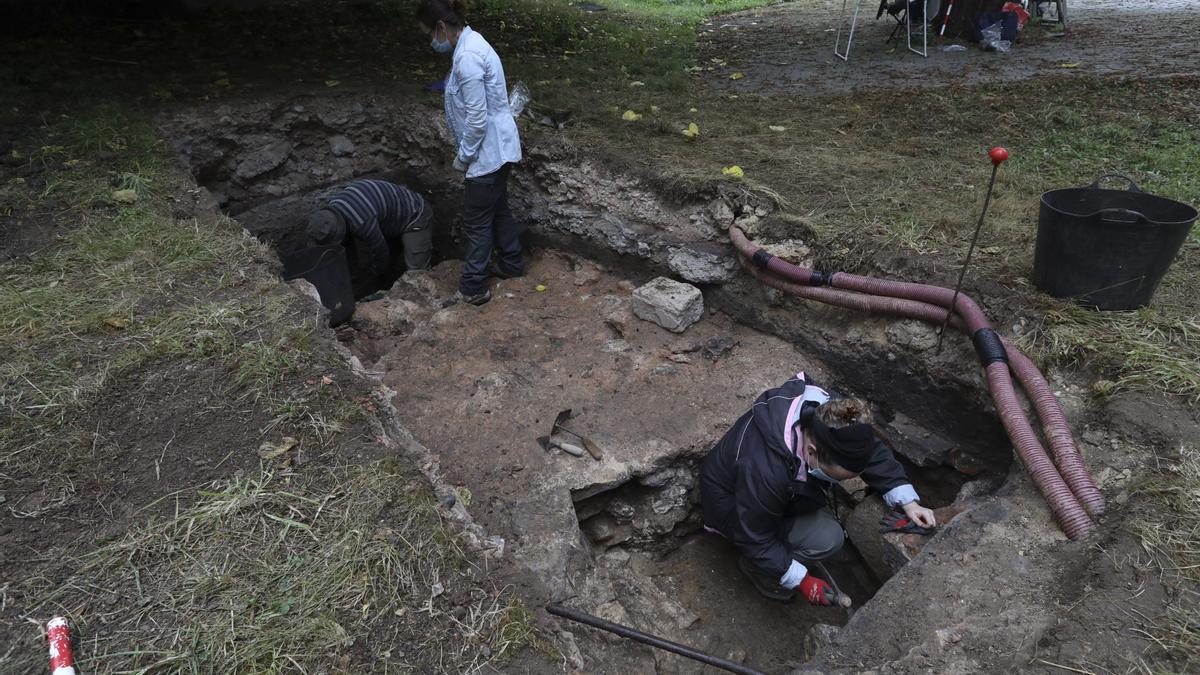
x=58, y=634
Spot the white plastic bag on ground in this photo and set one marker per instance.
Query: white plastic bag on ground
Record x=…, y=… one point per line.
x=991, y=41
x=518, y=98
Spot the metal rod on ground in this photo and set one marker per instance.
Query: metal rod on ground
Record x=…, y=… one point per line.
x=653, y=641
x=998, y=155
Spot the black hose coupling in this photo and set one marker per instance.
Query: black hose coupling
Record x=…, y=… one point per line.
x=820, y=279
x=761, y=258
x=989, y=347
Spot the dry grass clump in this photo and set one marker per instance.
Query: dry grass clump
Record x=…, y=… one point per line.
x=1170, y=530
x=275, y=572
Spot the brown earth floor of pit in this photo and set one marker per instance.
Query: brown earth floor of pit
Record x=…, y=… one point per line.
x=479, y=385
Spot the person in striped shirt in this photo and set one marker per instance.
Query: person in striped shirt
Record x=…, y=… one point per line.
x=378, y=215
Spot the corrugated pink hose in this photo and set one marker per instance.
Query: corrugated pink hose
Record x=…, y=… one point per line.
x=1068, y=492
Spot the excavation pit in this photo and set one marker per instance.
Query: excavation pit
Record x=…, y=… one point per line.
x=620, y=537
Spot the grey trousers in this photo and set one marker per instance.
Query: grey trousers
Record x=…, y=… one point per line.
x=418, y=241
x=815, y=536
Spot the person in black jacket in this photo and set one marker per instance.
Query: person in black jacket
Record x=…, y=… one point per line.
x=764, y=486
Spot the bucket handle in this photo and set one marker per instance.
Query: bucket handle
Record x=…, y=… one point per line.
x=1106, y=216
x=1133, y=187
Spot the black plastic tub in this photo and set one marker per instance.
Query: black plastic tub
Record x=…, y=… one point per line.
x=324, y=267
x=1107, y=249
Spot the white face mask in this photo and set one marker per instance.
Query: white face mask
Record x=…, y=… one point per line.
x=816, y=472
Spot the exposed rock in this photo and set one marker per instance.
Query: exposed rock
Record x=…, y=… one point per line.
x=818, y=637
x=613, y=611
x=659, y=478
x=262, y=160
x=585, y=273
x=669, y=303
x=722, y=214
x=856, y=488
x=600, y=528
x=917, y=335
x=862, y=527
x=341, y=146
x=702, y=263
x=621, y=509
x=716, y=347
x=385, y=317
x=305, y=288
x=615, y=346
x=673, y=498
x=792, y=250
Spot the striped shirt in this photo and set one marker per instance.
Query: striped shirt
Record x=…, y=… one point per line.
x=376, y=211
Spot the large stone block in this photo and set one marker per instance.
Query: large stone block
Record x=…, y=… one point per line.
x=669, y=303
x=702, y=263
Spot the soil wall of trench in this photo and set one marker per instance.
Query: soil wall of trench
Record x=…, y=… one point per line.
x=989, y=591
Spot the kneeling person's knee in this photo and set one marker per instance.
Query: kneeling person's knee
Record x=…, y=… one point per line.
x=816, y=537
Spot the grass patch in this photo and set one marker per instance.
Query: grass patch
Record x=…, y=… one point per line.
x=267, y=570
x=278, y=573
x=1146, y=349
x=1170, y=530
x=126, y=286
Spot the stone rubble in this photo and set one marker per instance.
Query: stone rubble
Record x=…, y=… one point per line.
x=671, y=304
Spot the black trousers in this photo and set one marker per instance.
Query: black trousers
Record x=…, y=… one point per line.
x=488, y=224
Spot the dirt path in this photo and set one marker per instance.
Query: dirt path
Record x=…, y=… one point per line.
x=788, y=49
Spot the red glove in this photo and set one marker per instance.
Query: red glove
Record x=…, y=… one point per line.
x=816, y=591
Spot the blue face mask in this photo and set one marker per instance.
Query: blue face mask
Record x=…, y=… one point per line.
x=440, y=46
x=816, y=472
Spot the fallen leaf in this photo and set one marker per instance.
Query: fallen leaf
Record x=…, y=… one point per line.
x=630, y=116
x=654, y=109
x=125, y=196
x=693, y=110
x=1068, y=65
x=223, y=82
x=326, y=380
x=269, y=450
x=776, y=127
x=117, y=322
x=332, y=83
x=737, y=76
x=635, y=83
x=539, y=288
x=990, y=250
x=734, y=171
x=692, y=130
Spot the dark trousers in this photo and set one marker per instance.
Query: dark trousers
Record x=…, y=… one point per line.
x=418, y=241
x=488, y=224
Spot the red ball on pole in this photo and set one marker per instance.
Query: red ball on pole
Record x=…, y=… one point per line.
x=998, y=155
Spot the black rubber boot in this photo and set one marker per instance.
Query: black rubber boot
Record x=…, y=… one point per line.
x=766, y=587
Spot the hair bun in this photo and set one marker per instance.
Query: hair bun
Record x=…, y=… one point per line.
x=845, y=412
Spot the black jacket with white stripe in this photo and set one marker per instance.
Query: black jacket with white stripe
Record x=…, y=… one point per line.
x=755, y=480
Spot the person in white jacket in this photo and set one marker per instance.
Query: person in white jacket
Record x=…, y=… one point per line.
x=477, y=112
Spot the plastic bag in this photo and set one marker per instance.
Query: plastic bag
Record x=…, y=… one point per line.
x=952, y=48
x=518, y=98
x=992, y=42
